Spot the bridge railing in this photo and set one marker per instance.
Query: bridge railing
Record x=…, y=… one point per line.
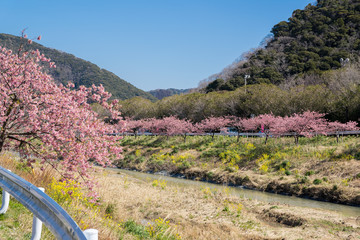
x=44, y=208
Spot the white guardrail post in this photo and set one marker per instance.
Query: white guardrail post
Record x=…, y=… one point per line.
x=37, y=225
x=5, y=201
x=45, y=209
x=91, y=234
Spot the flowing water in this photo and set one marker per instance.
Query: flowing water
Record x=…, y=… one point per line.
x=250, y=194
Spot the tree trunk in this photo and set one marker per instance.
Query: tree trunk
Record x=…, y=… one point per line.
x=3, y=127
x=296, y=139
x=1, y=145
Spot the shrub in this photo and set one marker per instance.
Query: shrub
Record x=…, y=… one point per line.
x=182, y=161
x=110, y=210
x=136, y=229
x=160, y=230
x=285, y=164
x=64, y=192
x=317, y=181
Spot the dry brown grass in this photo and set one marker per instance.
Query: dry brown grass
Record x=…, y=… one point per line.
x=85, y=216
x=193, y=212
x=40, y=178
x=204, y=214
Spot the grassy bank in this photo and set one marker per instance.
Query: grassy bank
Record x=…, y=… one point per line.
x=204, y=213
x=16, y=223
x=319, y=167
x=130, y=208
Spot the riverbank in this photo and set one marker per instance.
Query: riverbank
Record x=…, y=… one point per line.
x=131, y=208
x=200, y=212
x=319, y=168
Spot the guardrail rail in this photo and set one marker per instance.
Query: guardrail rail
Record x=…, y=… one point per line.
x=44, y=208
x=243, y=134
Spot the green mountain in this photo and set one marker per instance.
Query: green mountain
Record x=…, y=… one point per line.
x=80, y=72
x=322, y=37
x=162, y=93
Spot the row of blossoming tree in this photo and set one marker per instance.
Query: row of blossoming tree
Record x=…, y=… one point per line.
x=53, y=123
x=306, y=124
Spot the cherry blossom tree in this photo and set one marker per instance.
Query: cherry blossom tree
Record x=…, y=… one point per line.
x=263, y=123
x=338, y=127
x=169, y=126
x=134, y=125
x=155, y=126
x=53, y=123
x=238, y=124
x=307, y=124
x=213, y=125
x=175, y=126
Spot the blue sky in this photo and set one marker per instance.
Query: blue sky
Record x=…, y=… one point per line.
x=150, y=43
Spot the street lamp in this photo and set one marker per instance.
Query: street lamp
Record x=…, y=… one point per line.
x=246, y=77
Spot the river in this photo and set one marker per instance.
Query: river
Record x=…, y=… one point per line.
x=273, y=198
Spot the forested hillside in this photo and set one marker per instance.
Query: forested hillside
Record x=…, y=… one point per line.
x=314, y=40
x=310, y=63
x=78, y=71
x=258, y=99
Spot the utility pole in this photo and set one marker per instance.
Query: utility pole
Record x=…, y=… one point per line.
x=246, y=77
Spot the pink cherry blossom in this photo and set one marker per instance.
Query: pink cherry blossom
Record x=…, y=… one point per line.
x=238, y=124
x=43, y=120
x=213, y=124
x=263, y=123
x=134, y=126
x=174, y=126
x=307, y=124
x=339, y=127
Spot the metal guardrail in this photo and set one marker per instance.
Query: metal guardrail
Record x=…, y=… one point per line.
x=55, y=218
x=244, y=134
